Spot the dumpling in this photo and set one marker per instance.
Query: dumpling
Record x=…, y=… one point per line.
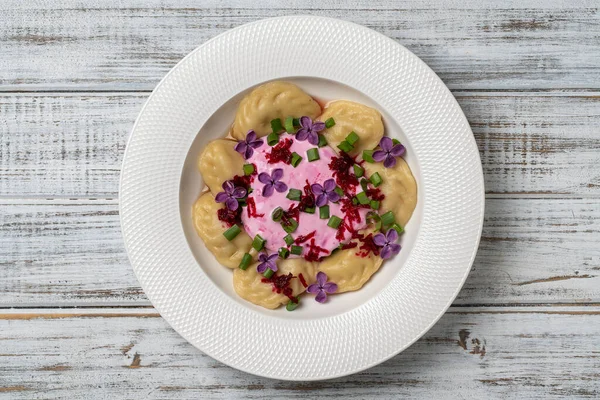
x=349, y=270
x=247, y=283
x=398, y=186
x=272, y=100
x=210, y=229
x=219, y=162
x=350, y=116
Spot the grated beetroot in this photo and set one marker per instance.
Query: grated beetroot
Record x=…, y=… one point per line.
x=341, y=167
x=281, y=284
x=280, y=152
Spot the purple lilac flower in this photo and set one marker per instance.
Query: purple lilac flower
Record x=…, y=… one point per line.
x=230, y=195
x=388, y=244
x=246, y=147
x=322, y=288
x=267, y=261
x=272, y=182
x=325, y=193
x=388, y=152
x=309, y=130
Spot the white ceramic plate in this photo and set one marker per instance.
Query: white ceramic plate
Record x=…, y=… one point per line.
x=195, y=103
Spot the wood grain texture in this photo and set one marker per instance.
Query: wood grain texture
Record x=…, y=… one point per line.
x=474, y=354
x=72, y=144
x=471, y=44
x=71, y=253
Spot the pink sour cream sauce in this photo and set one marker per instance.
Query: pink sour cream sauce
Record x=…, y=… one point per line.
x=315, y=172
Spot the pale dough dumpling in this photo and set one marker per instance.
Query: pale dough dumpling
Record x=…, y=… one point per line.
x=269, y=101
x=210, y=229
x=247, y=283
x=350, y=116
x=349, y=270
x=219, y=162
x=399, y=187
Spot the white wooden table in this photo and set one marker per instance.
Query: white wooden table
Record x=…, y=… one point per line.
x=74, y=322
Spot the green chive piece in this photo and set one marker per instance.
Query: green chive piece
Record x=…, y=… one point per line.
x=358, y=170
x=283, y=253
x=309, y=210
x=375, y=204
x=329, y=123
x=368, y=156
x=364, y=184
x=276, y=126
x=352, y=138
x=374, y=218
x=334, y=222
x=324, y=212
x=294, y=194
x=363, y=198
x=339, y=191
x=232, y=232
x=289, y=240
x=296, y=121
x=397, y=228
x=291, y=306
x=246, y=260
x=297, y=250
x=268, y=273
x=272, y=139
x=355, y=201
x=376, y=179
x=388, y=219
x=395, y=141
x=291, y=226
x=248, y=169
x=296, y=158
x=289, y=125
x=345, y=146
x=322, y=141
x=242, y=202
x=258, y=243
x=277, y=214
x=313, y=154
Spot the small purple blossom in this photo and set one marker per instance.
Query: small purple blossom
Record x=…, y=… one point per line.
x=388, y=152
x=246, y=147
x=272, y=182
x=267, y=261
x=230, y=195
x=387, y=242
x=322, y=288
x=325, y=193
x=309, y=130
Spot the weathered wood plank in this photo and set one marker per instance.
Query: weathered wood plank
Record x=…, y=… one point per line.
x=473, y=44
x=533, y=354
x=72, y=144
x=71, y=253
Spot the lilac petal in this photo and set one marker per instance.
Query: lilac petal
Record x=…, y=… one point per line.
x=273, y=266
x=379, y=240
x=264, y=178
x=228, y=187
x=329, y=185
x=268, y=190
x=389, y=162
x=313, y=138
x=302, y=134
x=316, y=188
x=277, y=174
x=333, y=197
x=321, y=279
x=321, y=200
x=379, y=155
x=330, y=287
x=221, y=197
x=305, y=122
x=318, y=126
x=321, y=296
x=262, y=267
x=391, y=235
x=239, y=192
x=240, y=147
x=395, y=247
x=386, y=144
x=255, y=144
x=386, y=252
x=397, y=150
x=232, y=204
x=314, y=288
x=249, y=152
x=280, y=187
x=272, y=257
x=262, y=257
x=250, y=136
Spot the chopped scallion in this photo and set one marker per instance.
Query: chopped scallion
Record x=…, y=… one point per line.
x=362, y=198
x=296, y=158
x=232, y=232
x=387, y=219
x=376, y=179
x=339, y=191
x=329, y=123
x=283, y=252
x=345, y=146
x=268, y=273
x=324, y=212
x=272, y=139
x=313, y=154
x=294, y=194
x=290, y=226
x=375, y=204
x=246, y=260
x=289, y=240
x=364, y=184
x=358, y=170
x=248, y=169
x=352, y=138
x=258, y=243
x=368, y=156
x=322, y=141
x=297, y=250
x=397, y=228
x=289, y=125
x=277, y=214
x=291, y=306
x=334, y=222
x=309, y=210
x=276, y=126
